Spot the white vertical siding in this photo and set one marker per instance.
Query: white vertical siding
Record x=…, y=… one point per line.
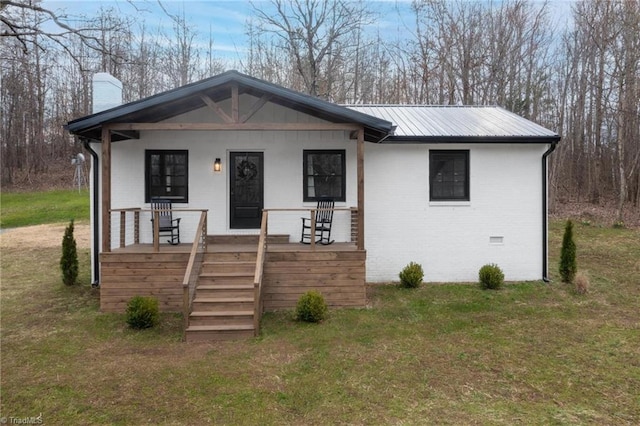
x=452, y=240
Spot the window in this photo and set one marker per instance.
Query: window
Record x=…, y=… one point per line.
x=167, y=175
x=449, y=175
x=324, y=174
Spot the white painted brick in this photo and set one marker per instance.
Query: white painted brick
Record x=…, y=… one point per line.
x=451, y=240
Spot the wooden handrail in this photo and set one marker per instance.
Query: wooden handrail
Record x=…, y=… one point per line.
x=193, y=267
x=257, y=278
x=175, y=209
x=306, y=209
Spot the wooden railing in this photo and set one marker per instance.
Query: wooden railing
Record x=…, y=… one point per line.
x=312, y=216
x=198, y=248
x=123, y=225
x=125, y=216
x=257, y=278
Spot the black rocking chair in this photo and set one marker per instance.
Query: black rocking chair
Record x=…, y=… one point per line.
x=166, y=223
x=324, y=219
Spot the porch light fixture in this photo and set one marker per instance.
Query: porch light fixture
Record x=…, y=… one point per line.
x=217, y=165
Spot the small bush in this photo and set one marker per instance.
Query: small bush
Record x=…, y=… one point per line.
x=568, y=266
x=618, y=224
x=311, y=307
x=69, y=258
x=581, y=283
x=142, y=312
x=491, y=277
x=411, y=276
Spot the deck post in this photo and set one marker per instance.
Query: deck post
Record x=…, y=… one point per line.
x=123, y=227
x=156, y=231
x=106, y=189
x=136, y=227
x=360, y=165
x=312, y=237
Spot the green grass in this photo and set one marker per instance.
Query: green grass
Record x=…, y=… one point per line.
x=35, y=208
x=531, y=353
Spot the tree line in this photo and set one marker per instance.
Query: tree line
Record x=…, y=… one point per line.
x=581, y=79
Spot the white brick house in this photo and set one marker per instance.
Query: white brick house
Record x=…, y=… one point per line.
x=451, y=188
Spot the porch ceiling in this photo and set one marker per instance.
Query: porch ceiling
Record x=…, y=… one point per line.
x=218, y=88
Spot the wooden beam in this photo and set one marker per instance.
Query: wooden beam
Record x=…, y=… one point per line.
x=235, y=103
x=235, y=126
x=216, y=108
x=255, y=108
x=360, y=167
x=132, y=134
x=106, y=189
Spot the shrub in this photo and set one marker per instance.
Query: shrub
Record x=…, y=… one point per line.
x=311, y=307
x=411, y=276
x=69, y=258
x=142, y=312
x=491, y=277
x=581, y=283
x=568, y=265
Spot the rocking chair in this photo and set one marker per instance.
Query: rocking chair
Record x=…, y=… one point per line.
x=166, y=223
x=324, y=219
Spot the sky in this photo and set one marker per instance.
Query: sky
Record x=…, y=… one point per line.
x=224, y=19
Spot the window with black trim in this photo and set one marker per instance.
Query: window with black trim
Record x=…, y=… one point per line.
x=449, y=175
x=167, y=175
x=324, y=174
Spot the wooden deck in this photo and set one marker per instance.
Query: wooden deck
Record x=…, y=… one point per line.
x=336, y=270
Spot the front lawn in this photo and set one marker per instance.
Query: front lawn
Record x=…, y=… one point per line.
x=531, y=353
x=35, y=208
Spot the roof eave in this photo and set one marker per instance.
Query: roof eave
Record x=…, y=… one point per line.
x=85, y=125
x=471, y=139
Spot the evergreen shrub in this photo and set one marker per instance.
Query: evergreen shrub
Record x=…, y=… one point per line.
x=411, y=276
x=143, y=312
x=568, y=266
x=311, y=307
x=69, y=258
x=491, y=277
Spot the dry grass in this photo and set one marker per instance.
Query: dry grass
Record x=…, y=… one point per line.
x=531, y=353
x=581, y=283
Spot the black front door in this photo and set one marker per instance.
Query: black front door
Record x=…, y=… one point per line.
x=246, y=189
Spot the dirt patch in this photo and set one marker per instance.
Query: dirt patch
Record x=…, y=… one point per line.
x=44, y=236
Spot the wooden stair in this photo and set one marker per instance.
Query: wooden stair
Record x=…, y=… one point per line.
x=223, y=306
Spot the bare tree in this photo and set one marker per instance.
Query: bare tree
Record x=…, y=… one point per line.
x=30, y=34
x=316, y=34
x=182, y=57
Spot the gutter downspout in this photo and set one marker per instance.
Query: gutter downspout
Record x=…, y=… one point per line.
x=96, y=214
x=545, y=219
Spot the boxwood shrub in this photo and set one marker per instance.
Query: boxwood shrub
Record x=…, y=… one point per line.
x=311, y=307
x=491, y=277
x=411, y=276
x=143, y=312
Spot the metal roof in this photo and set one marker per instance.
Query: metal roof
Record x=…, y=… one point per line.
x=187, y=98
x=444, y=124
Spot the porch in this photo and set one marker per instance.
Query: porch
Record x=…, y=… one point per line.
x=223, y=283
